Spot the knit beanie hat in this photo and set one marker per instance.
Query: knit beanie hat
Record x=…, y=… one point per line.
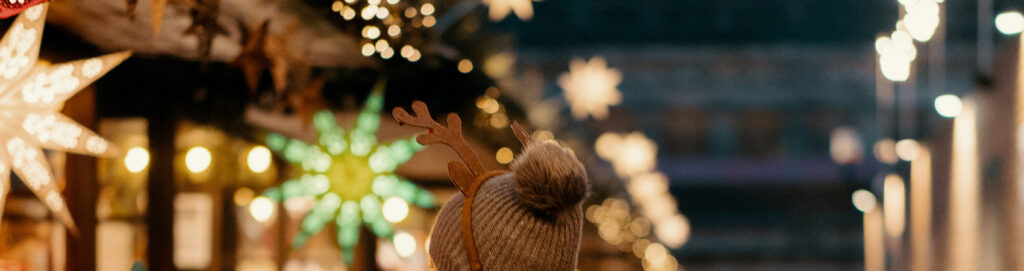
x=527, y=219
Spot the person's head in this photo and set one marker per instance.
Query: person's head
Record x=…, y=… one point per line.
x=526, y=219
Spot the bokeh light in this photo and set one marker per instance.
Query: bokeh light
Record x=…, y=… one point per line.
x=395, y=209
x=864, y=200
x=894, y=205
x=948, y=105
x=906, y=149
x=405, y=244
x=258, y=159
x=1010, y=22
x=261, y=208
x=136, y=159
x=198, y=159
x=845, y=146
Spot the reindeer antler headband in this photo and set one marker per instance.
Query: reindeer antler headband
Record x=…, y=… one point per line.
x=467, y=175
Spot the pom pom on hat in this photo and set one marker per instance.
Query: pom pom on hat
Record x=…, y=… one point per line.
x=549, y=179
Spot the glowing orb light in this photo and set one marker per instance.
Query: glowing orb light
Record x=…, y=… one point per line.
x=136, y=159
x=198, y=159
x=258, y=159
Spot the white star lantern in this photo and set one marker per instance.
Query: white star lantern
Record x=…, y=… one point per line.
x=590, y=87
x=31, y=95
x=499, y=9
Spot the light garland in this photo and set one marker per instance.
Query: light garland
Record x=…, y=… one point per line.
x=499, y=9
x=351, y=176
x=385, y=26
x=31, y=95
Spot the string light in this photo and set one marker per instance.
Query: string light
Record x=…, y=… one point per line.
x=258, y=159
x=395, y=209
x=906, y=149
x=261, y=209
x=465, y=66
x=198, y=159
x=948, y=105
x=864, y=200
x=405, y=244
x=136, y=159
x=1010, y=23
x=504, y=155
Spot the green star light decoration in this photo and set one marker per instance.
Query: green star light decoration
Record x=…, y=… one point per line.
x=349, y=175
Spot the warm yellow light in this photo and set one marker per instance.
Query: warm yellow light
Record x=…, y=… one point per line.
x=387, y=53
x=465, y=66
x=845, y=146
x=368, y=12
x=406, y=51
x=864, y=200
x=429, y=21
x=371, y=32
x=348, y=13
x=382, y=45
x=1010, y=22
x=394, y=30
x=198, y=159
x=136, y=159
x=948, y=105
x=368, y=49
x=383, y=13
x=427, y=9
x=490, y=105
x=499, y=120
x=405, y=244
x=885, y=151
x=261, y=208
x=504, y=155
x=395, y=209
x=258, y=159
x=243, y=196
x=590, y=87
x=674, y=231
x=906, y=149
x=415, y=56
x=410, y=12
x=894, y=205
x=337, y=6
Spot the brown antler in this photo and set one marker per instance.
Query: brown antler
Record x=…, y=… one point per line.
x=462, y=174
x=523, y=135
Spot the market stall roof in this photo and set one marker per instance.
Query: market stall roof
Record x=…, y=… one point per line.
x=106, y=24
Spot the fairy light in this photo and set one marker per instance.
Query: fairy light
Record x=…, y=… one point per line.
x=371, y=32
x=368, y=49
x=427, y=9
x=465, y=66
x=429, y=21
x=395, y=209
x=1010, y=22
x=394, y=31
x=906, y=149
x=948, y=105
x=258, y=159
x=504, y=155
x=405, y=244
x=198, y=159
x=261, y=208
x=136, y=159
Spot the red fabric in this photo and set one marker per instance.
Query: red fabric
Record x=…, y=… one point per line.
x=8, y=9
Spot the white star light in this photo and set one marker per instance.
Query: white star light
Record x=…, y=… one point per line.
x=590, y=87
x=31, y=95
x=499, y=9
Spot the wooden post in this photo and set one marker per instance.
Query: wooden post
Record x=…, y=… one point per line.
x=81, y=188
x=160, y=185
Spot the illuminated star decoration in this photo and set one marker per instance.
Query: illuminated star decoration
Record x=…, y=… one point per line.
x=10, y=8
x=31, y=94
x=590, y=87
x=260, y=51
x=499, y=9
x=349, y=174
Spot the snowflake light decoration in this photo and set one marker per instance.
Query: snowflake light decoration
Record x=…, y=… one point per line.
x=590, y=87
x=350, y=175
x=499, y=9
x=31, y=95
